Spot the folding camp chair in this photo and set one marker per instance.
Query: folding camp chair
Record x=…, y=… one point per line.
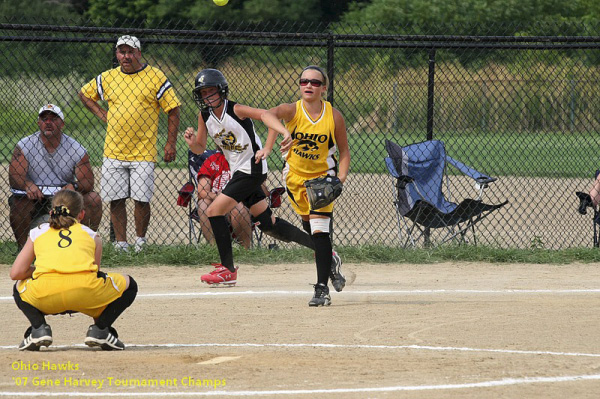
x=188, y=193
x=585, y=201
x=420, y=171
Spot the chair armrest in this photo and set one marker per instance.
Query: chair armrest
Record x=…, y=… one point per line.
x=480, y=178
x=485, y=180
x=585, y=200
x=403, y=180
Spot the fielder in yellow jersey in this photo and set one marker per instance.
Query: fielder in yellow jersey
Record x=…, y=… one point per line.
x=66, y=278
x=311, y=155
x=314, y=131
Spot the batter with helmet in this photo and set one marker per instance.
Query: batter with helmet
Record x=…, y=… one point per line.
x=231, y=127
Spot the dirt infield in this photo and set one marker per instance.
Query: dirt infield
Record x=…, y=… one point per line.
x=399, y=331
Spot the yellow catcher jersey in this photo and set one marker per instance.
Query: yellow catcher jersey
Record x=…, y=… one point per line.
x=313, y=148
x=134, y=101
x=63, y=251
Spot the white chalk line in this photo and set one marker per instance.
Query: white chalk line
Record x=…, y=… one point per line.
x=276, y=293
x=339, y=346
x=483, y=384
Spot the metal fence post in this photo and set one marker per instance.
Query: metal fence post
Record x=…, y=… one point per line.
x=330, y=50
x=430, y=86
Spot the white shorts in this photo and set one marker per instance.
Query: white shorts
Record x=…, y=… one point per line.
x=127, y=179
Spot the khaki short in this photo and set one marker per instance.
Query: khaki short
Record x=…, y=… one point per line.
x=127, y=179
x=88, y=293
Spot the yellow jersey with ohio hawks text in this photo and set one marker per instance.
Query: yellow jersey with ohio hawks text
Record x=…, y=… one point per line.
x=313, y=149
x=63, y=251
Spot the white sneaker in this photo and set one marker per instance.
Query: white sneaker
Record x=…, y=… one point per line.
x=140, y=243
x=121, y=246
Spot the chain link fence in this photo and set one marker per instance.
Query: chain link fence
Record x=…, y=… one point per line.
x=522, y=108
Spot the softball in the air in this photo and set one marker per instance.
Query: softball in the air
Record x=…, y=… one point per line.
x=220, y=2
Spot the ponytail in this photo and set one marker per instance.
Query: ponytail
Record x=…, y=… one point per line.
x=66, y=205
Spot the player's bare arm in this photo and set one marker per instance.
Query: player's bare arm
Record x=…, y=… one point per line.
x=341, y=138
x=267, y=148
x=196, y=140
x=272, y=118
x=21, y=268
x=98, y=252
x=172, y=128
x=244, y=111
x=93, y=106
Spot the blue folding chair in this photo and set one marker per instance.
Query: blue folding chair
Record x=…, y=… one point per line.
x=420, y=172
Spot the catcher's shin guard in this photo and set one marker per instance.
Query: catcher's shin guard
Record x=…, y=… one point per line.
x=283, y=230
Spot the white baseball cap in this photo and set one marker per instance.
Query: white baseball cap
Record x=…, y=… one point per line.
x=52, y=108
x=130, y=41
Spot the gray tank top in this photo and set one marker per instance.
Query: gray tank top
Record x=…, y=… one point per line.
x=56, y=169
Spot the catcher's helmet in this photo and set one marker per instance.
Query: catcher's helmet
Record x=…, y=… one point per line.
x=210, y=78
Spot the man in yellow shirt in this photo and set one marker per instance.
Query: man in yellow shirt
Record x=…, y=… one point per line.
x=135, y=92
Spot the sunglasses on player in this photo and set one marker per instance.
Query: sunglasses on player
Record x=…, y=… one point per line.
x=313, y=82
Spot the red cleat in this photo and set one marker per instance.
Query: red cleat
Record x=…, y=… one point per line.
x=221, y=275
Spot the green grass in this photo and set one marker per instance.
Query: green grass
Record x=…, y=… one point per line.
x=546, y=154
x=204, y=255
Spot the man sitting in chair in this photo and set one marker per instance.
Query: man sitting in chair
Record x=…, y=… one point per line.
x=213, y=176
x=43, y=164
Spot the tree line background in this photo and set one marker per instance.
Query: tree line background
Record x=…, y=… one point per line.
x=466, y=15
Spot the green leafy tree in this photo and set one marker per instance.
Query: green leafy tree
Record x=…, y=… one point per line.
x=463, y=15
x=205, y=12
x=68, y=10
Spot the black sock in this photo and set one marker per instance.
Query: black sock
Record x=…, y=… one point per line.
x=306, y=226
x=285, y=231
x=34, y=315
x=118, y=306
x=220, y=230
x=322, y=256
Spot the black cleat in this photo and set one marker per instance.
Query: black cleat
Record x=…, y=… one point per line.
x=106, y=338
x=338, y=280
x=321, y=297
x=36, y=337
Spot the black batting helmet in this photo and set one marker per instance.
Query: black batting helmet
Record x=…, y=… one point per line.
x=210, y=78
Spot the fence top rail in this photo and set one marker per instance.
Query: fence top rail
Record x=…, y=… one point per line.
x=326, y=36
x=312, y=43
